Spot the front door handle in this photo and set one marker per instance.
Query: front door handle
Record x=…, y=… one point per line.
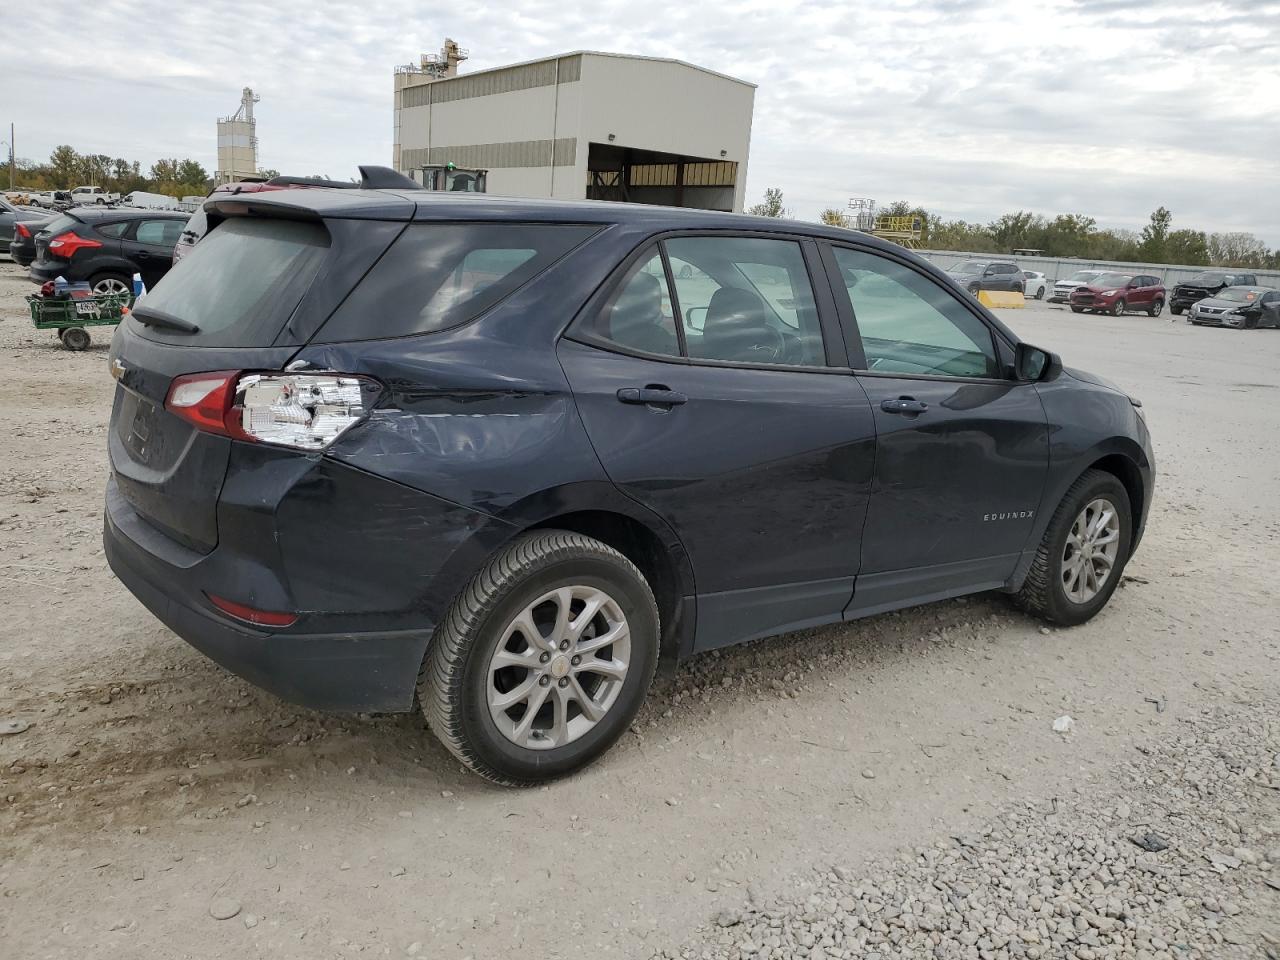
x=907, y=406
x=652, y=395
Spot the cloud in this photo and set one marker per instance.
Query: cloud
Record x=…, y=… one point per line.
x=970, y=107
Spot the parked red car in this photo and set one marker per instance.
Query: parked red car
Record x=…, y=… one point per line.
x=1116, y=293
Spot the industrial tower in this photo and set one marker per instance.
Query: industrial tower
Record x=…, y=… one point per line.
x=238, y=141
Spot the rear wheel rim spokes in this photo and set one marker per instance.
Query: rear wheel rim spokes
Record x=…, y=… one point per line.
x=1089, y=555
x=559, y=667
x=111, y=286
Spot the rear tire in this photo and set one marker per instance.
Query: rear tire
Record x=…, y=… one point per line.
x=1039, y=293
x=1157, y=307
x=483, y=654
x=75, y=338
x=1045, y=592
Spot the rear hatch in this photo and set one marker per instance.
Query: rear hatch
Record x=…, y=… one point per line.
x=255, y=288
x=55, y=227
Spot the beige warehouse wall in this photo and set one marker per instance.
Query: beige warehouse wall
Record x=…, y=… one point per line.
x=656, y=105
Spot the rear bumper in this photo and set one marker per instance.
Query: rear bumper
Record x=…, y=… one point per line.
x=348, y=671
x=42, y=270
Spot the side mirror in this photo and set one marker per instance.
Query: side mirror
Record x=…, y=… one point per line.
x=1031, y=364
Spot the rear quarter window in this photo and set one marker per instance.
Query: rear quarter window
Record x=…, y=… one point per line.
x=440, y=275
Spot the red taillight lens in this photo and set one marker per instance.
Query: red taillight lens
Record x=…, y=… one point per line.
x=20, y=229
x=261, y=618
x=204, y=399
x=66, y=244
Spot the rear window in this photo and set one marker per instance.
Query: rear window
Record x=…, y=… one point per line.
x=440, y=275
x=60, y=225
x=240, y=283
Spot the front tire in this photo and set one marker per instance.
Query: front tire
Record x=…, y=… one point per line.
x=1176, y=310
x=1077, y=309
x=517, y=684
x=1119, y=308
x=1082, y=554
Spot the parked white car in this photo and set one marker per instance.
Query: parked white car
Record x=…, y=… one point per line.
x=1062, y=289
x=89, y=196
x=1036, y=285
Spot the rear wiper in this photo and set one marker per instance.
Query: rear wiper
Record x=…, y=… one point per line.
x=159, y=318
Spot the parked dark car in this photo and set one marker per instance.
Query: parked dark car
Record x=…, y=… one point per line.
x=1244, y=308
x=11, y=216
x=23, y=248
x=106, y=247
x=975, y=275
x=1207, y=284
x=493, y=456
x=1117, y=293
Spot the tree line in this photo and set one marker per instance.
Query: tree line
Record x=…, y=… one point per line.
x=1066, y=235
x=67, y=168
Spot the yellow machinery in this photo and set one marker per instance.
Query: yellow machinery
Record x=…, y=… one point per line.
x=905, y=231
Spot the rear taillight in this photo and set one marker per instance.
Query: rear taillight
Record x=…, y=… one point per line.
x=305, y=411
x=20, y=229
x=66, y=244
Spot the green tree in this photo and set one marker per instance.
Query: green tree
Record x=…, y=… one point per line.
x=834, y=217
x=64, y=166
x=1237, y=250
x=772, y=205
x=192, y=173
x=1188, y=246
x=1015, y=230
x=1155, y=237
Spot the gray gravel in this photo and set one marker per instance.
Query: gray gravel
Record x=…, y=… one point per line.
x=1064, y=877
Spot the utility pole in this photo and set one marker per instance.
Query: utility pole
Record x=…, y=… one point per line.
x=13, y=154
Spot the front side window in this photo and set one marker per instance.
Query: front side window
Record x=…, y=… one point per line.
x=910, y=325
x=639, y=315
x=746, y=300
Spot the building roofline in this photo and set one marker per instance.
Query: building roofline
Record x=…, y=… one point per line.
x=593, y=53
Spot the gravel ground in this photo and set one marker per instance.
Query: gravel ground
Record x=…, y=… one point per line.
x=157, y=806
x=1180, y=859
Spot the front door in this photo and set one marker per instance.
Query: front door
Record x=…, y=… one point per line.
x=717, y=408
x=961, y=451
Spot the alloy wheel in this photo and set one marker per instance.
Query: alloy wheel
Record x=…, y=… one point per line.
x=110, y=286
x=1089, y=555
x=559, y=667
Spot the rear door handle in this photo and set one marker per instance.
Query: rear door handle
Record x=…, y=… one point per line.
x=907, y=406
x=657, y=396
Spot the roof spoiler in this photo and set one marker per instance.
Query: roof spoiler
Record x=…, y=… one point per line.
x=310, y=182
x=384, y=178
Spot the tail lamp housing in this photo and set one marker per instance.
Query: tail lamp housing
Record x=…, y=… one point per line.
x=66, y=244
x=301, y=411
x=20, y=230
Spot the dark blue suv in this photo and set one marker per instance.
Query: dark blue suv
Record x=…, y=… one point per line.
x=374, y=449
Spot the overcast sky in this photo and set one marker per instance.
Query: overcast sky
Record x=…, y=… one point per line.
x=971, y=108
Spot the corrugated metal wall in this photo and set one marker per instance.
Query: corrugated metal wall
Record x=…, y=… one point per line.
x=1058, y=268
x=495, y=156
x=492, y=82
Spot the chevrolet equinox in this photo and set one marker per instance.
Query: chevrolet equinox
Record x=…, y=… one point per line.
x=378, y=450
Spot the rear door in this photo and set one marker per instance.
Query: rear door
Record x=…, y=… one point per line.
x=961, y=452
x=149, y=245
x=704, y=381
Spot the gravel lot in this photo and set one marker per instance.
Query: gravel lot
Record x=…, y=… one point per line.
x=888, y=788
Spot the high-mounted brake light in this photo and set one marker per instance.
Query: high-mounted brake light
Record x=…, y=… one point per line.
x=66, y=244
x=305, y=411
x=261, y=618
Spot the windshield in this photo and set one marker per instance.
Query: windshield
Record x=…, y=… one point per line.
x=969, y=267
x=1112, y=280
x=1208, y=279
x=1238, y=295
x=1083, y=276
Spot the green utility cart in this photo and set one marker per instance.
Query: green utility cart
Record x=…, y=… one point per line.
x=68, y=316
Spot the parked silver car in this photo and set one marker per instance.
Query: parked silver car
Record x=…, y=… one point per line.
x=1243, y=308
x=1062, y=289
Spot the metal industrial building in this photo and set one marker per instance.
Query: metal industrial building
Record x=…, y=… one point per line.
x=238, y=141
x=582, y=125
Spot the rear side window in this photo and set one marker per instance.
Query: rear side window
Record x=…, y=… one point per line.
x=240, y=283
x=113, y=229
x=440, y=275
x=162, y=233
